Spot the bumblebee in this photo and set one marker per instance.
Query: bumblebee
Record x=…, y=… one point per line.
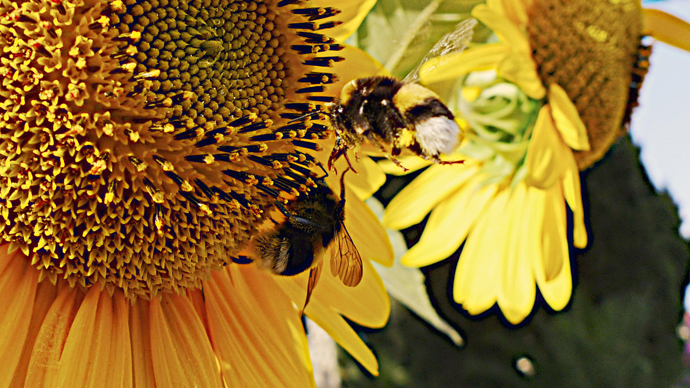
x=392, y=114
x=312, y=223
x=396, y=115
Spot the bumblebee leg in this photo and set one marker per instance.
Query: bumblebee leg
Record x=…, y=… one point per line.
x=339, y=149
x=342, y=187
x=391, y=156
x=436, y=159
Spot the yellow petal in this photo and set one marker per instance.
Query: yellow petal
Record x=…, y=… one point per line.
x=97, y=352
x=552, y=268
x=45, y=296
x=18, y=281
x=256, y=330
x=367, y=233
x=666, y=28
x=51, y=338
x=519, y=68
x=506, y=31
x=450, y=223
x=366, y=304
x=180, y=348
x=416, y=200
x=142, y=358
x=456, y=65
x=332, y=322
x=546, y=158
x=478, y=275
x=518, y=289
x=366, y=66
x=353, y=12
x=567, y=120
x=573, y=195
x=515, y=11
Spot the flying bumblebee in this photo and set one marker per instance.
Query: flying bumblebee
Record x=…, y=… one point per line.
x=312, y=223
x=394, y=115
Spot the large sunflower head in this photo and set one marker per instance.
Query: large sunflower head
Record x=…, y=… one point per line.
x=143, y=141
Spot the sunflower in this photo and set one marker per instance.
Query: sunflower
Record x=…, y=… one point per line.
x=544, y=102
x=142, y=145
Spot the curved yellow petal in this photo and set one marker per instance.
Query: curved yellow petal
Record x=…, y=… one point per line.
x=366, y=66
x=332, y=322
x=515, y=11
x=180, y=348
x=505, y=30
x=546, y=157
x=97, y=352
x=478, y=275
x=519, y=68
x=142, y=359
x=18, y=281
x=573, y=196
x=666, y=28
x=552, y=268
x=352, y=14
x=256, y=330
x=367, y=233
x=366, y=304
x=418, y=198
x=45, y=296
x=411, y=163
x=455, y=65
x=450, y=222
x=518, y=289
x=51, y=338
x=567, y=120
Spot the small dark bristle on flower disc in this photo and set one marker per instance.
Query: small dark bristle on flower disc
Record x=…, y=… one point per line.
x=142, y=142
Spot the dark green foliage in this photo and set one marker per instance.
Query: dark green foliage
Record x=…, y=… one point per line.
x=619, y=331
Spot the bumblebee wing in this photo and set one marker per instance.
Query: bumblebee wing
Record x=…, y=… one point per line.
x=346, y=263
x=454, y=41
x=314, y=275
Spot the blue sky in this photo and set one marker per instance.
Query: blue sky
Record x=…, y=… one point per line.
x=661, y=124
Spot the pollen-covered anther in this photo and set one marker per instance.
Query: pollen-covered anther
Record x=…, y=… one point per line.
x=167, y=166
x=132, y=135
x=277, y=165
x=251, y=180
x=255, y=210
x=148, y=74
x=129, y=67
x=138, y=163
x=186, y=187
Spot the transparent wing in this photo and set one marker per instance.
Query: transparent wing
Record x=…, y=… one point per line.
x=346, y=263
x=314, y=275
x=454, y=41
